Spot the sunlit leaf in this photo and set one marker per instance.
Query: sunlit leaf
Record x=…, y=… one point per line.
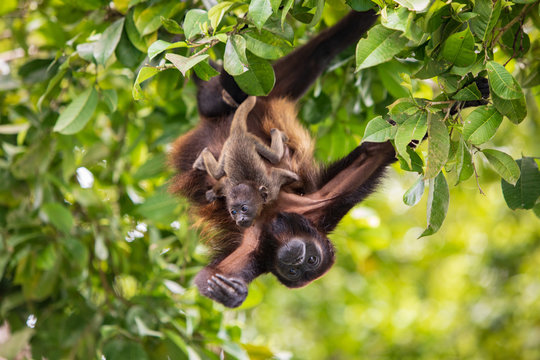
x=413, y=128
x=415, y=192
x=503, y=163
x=144, y=74
x=183, y=63
x=108, y=41
x=480, y=125
x=259, y=79
x=235, y=60
x=488, y=14
x=380, y=46
x=259, y=12
x=414, y=5
x=159, y=46
x=194, y=22
x=379, y=130
x=437, y=205
x=438, y=146
x=458, y=49
x=59, y=216
x=75, y=116
x=464, y=164
x=502, y=83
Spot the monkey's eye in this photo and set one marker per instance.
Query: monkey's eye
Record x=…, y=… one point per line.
x=233, y=212
x=244, y=208
x=312, y=260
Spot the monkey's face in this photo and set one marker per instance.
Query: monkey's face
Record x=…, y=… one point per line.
x=300, y=261
x=244, y=204
x=302, y=255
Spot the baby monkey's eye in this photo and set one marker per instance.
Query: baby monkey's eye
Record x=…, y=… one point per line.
x=244, y=208
x=312, y=260
x=233, y=212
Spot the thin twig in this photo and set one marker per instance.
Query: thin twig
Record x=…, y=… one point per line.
x=476, y=175
x=512, y=22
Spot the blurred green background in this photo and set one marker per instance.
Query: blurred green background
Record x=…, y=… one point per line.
x=96, y=257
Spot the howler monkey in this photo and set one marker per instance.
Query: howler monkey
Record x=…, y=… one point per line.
x=244, y=179
x=288, y=239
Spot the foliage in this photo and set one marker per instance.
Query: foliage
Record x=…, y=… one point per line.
x=96, y=257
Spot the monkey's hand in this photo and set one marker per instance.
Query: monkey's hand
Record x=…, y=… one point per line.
x=229, y=291
x=211, y=196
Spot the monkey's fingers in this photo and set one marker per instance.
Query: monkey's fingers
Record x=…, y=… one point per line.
x=229, y=292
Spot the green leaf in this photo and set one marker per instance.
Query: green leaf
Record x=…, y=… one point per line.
x=459, y=48
x=360, y=5
x=266, y=45
x=110, y=98
x=380, y=46
x=318, y=13
x=124, y=349
x=195, y=23
x=149, y=19
x=171, y=26
x=259, y=11
x=438, y=146
x=160, y=208
x=13, y=345
x=515, y=110
x=144, y=74
x=413, y=128
x=133, y=33
x=414, y=5
x=59, y=216
x=464, y=165
x=379, y=130
x=488, y=14
x=470, y=92
x=216, y=13
x=235, y=60
x=503, y=164
x=75, y=116
x=536, y=210
x=159, y=46
x=481, y=124
x=285, y=10
x=396, y=19
x=108, y=41
x=389, y=75
x=437, y=205
x=525, y=192
x=413, y=163
x=259, y=79
x=183, y=63
x=502, y=83
x=415, y=192
x=204, y=71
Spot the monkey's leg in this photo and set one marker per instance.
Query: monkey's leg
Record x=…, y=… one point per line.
x=283, y=176
x=275, y=152
x=216, y=169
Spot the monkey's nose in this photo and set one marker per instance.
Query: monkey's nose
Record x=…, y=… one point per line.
x=244, y=223
x=292, y=253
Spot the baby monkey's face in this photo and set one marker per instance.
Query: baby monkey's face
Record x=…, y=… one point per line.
x=244, y=204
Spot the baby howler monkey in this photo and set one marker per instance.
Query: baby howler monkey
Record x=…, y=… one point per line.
x=243, y=177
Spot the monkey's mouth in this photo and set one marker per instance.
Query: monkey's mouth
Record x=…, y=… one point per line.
x=244, y=223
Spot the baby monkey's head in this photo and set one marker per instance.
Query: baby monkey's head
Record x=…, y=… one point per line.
x=244, y=203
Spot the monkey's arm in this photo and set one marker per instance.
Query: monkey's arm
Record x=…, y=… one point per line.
x=348, y=181
x=226, y=281
x=296, y=72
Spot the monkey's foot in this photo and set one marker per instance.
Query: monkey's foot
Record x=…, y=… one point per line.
x=199, y=163
x=284, y=136
x=211, y=196
x=231, y=292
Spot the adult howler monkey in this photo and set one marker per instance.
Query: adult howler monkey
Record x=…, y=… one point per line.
x=288, y=239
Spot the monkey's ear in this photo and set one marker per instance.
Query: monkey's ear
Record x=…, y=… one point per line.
x=263, y=190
